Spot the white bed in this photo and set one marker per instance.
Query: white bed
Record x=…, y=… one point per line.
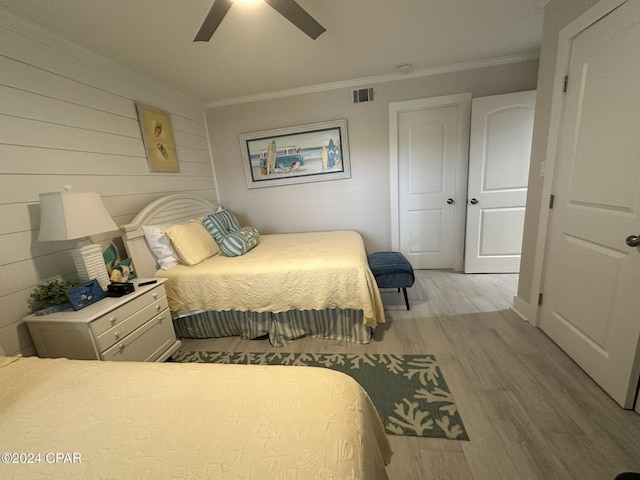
x=88, y=419
x=288, y=286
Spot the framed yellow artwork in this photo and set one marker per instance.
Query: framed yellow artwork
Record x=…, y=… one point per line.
x=157, y=136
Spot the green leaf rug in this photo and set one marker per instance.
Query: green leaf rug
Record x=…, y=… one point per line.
x=409, y=391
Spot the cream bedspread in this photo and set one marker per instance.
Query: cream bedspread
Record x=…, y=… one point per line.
x=301, y=271
x=108, y=420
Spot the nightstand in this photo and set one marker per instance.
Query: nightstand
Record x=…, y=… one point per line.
x=134, y=327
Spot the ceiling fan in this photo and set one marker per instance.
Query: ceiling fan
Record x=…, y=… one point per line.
x=287, y=8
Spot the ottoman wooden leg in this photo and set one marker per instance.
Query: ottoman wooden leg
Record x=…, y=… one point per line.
x=406, y=298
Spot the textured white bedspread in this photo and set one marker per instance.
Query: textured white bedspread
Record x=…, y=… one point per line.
x=186, y=421
x=301, y=271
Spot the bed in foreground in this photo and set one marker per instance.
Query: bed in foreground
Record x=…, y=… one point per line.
x=90, y=419
x=288, y=286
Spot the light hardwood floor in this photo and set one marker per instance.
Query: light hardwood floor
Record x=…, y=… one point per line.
x=530, y=411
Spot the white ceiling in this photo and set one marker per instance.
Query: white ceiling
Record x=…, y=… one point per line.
x=256, y=51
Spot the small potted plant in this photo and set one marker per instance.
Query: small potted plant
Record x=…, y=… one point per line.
x=49, y=297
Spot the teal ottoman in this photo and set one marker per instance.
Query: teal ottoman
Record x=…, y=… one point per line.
x=392, y=270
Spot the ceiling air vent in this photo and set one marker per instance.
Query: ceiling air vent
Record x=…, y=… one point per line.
x=363, y=95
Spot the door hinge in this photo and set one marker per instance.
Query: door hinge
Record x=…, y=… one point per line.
x=552, y=199
x=565, y=80
x=540, y=299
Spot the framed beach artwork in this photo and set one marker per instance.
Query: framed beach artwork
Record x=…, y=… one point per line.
x=306, y=153
x=157, y=136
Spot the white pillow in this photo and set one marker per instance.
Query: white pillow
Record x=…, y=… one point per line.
x=160, y=245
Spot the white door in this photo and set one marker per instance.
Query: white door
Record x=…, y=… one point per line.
x=499, y=153
x=432, y=155
x=591, y=287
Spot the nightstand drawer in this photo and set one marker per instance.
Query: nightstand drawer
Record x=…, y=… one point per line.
x=120, y=314
x=146, y=343
x=128, y=325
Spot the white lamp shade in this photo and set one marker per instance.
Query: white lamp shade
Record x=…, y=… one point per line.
x=69, y=216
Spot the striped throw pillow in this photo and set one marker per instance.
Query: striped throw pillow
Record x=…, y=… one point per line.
x=239, y=242
x=220, y=224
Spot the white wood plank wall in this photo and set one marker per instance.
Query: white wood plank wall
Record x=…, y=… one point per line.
x=67, y=116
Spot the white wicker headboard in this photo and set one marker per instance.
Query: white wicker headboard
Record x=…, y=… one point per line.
x=176, y=208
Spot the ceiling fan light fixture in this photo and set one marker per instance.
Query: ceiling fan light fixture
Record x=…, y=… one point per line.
x=289, y=9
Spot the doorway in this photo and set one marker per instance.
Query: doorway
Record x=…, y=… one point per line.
x=429, y=148
x=499, y=153
x=591, y=283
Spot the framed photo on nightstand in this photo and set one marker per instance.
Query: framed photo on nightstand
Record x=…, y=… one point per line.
x=85, y=294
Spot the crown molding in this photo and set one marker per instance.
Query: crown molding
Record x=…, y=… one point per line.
x=359, y=82
x=42, y=35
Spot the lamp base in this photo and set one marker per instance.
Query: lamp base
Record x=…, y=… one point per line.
x=90, y=264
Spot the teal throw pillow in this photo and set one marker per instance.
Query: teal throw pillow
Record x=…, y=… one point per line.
x=239, y=242
x=220, y=224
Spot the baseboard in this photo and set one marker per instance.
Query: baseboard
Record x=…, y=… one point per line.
x=525, y=310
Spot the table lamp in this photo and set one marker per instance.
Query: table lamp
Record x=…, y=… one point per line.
x=70, y=216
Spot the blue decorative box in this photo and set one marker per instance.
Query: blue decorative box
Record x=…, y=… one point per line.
x=85, y=294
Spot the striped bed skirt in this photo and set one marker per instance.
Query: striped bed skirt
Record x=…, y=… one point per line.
x=280, y=328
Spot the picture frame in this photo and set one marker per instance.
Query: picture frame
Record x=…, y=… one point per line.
x=157, y=136
x=85, y=294
x=313, y=152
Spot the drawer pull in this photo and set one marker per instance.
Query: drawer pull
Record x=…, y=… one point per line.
x=117, y=335
x=160, y=318
x=158, y=308
x=113, y=320
x=121, y=347
x=155, y=295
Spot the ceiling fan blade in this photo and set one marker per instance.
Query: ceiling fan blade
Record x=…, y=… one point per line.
x=298, y=16
x=213, y=19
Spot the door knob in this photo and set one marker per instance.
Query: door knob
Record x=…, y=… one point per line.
x=633, y=240
x=474, y=201
x=449, y=201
